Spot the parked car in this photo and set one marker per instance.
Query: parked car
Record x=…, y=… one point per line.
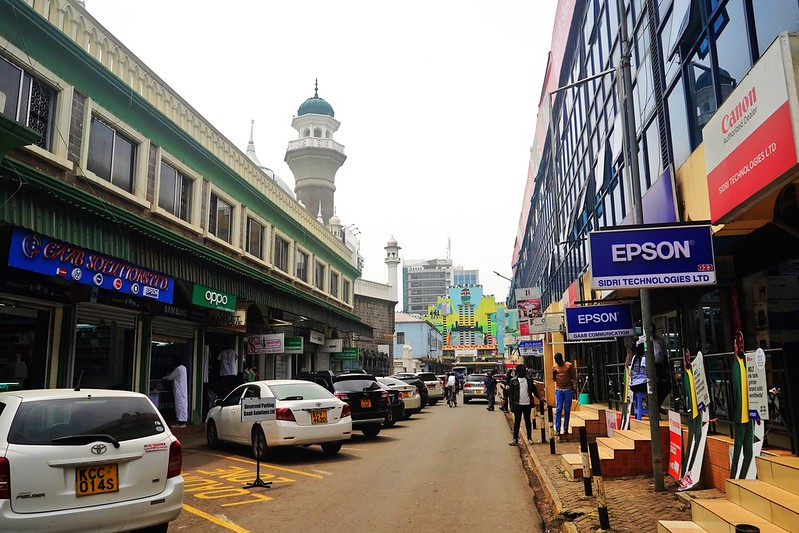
x=411, y=379
x=435, y=391
x=409, y=394
x=474, y=387
x=367, y=400
x=397, y=411
x=86, y=460
x=305, y=413
x=320, y=377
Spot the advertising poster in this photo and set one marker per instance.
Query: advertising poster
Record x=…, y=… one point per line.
x=700, y=381
x=698, y=424
x=528, y=302
x=758, y=390
x=675, y=445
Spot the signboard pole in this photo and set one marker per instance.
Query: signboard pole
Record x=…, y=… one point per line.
x=258, y=410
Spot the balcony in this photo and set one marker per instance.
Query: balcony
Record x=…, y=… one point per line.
x=315, y=142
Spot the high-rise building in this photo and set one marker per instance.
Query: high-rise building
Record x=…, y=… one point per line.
x=424, y=280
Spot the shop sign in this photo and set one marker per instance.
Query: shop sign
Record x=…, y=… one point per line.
x=38, y=253
x=465, y=352
x=347, y=354
x=528, y=302
x=531, y=347
x=652, y=257
x=213, y=298
x=749, y=141
x=383, y=348
x=258, y=409
x=233, y=321
x=316, y=337
x=332, y=346
x=265, y=343
x=544, y=324
x=599, y=321
x=294, y=345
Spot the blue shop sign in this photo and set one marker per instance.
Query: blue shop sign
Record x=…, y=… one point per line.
x=652, y=257
x=34, y=252
x=599, y=321
x=531, y=347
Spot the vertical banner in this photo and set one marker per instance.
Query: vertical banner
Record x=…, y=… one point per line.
x=700, y=381
x=627, y=406
x=675, y=445
x=698, y=398
x=758, y=391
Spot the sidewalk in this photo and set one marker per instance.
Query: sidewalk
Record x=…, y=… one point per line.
x=632, y=503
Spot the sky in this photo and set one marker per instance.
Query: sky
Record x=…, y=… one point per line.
x=437, y=101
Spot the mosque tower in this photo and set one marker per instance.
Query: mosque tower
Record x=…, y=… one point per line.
x=393, y=261
x=315, y=157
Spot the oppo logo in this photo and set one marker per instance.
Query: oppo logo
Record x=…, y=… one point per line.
x=215, y=298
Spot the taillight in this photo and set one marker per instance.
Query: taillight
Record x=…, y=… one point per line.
x=175, y=461
x=385, y=396
x=284, y=413
x=346, y=411
x=341, y=396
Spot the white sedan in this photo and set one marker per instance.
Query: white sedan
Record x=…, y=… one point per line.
x=305, y=413
x=409, y=393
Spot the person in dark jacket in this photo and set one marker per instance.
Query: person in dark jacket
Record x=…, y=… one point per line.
x=491, y=389
x=522, y=391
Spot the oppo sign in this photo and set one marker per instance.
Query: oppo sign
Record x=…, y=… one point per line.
x=213, y=299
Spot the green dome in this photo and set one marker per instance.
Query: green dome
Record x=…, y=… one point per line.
x=315, y=105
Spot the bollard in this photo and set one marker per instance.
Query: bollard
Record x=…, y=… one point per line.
x=586, y=467
x=601, y=501
x=551, y=426
x=543, y=426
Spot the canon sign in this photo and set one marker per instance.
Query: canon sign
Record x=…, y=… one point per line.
x=650, y=251
x=729, y=120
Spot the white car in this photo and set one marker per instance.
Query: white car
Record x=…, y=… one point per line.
x=410, y=396
x=306, y=413
x=435, y=391
x=86, y=460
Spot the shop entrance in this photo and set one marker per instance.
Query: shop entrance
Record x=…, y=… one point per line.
x=24, y=337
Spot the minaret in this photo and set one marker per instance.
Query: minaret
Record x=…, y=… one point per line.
x=392, y=262
x=314, y=158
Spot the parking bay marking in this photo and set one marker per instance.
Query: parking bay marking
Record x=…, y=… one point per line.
x=268, y=465
x=211, y=518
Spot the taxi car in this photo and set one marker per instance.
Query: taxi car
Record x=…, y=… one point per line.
x=86, y=460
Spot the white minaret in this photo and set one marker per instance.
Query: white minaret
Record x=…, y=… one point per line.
x=314, y=158
x=392, y=262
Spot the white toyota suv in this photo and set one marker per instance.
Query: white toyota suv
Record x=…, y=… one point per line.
x=86, y=460
x=435, y=391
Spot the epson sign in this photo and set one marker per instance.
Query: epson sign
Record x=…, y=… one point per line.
x=599, y=321
x=652, y=257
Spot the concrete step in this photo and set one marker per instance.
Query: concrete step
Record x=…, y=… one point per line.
x=782, y=472
x=635, y=438
x=679, y=526
x=585, y=414
x=614, y=443
x=721, y=516
x=768, y=501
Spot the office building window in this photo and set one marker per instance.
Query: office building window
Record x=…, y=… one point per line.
x=28, y=101
x=112, y=156
x=255, y=238
x=220, y=219
x=301, y=261
x=334, y=284
x=345, y=290
x=281, y=254
x=319, y=276
x=175, y=192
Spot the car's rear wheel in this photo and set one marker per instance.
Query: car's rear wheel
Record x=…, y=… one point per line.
x=371, y=431
x=259, y=446
x=211, y=435
x=389, y=421
x=331, y=448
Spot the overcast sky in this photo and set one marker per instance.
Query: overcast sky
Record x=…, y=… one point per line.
x=437, y=101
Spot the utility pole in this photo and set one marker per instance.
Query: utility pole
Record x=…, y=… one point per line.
x=646, y=309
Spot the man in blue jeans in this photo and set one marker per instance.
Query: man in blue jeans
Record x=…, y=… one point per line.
x=565, y=378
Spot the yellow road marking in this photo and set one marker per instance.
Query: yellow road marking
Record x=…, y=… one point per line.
x=266, y=465
x=211, y=518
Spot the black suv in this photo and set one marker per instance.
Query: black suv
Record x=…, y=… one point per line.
x=368, y=401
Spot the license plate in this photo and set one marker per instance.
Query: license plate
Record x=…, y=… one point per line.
x=96, y=480
x=318, y=417
x=366, y=403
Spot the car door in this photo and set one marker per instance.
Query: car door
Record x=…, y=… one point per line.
x=230, y=415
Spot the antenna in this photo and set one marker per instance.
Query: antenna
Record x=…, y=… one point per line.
x=80, y=378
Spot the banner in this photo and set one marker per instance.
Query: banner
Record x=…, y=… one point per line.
x=758, y=390
x=544, y=324
x=599, y=321
x=265, y=343
x=528, y=302
x=675, y=445
x=700, y=381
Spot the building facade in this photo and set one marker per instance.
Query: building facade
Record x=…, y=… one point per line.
x=424, y=280
x=136, y=237
x=698, y=94
x=425, y=340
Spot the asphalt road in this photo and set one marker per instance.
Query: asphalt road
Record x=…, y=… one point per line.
x=445, y=469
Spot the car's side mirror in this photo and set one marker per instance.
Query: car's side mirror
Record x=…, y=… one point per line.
x=219, y=402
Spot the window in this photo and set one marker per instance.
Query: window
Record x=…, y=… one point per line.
x=319, y=276
x=220, y=218
x=345, y=290
x=281, y=254
x=174, y=192
x=255, y=238
x=771, y=18
x=301, y=263
x=28, y=101
x=678, y=121
x=732, y=47
x=400, y=337
x=334, y=284
x=111, y=155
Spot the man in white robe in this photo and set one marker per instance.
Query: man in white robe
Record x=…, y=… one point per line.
x=180, y=391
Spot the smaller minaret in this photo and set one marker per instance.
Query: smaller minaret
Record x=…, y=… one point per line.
x=392, y=262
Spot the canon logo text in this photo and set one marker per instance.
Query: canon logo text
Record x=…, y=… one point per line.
x=730, y=119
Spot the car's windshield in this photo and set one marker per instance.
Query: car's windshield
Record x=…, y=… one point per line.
x=427, y=376
x=356, y=385
x=124, y=418
x=299, y=391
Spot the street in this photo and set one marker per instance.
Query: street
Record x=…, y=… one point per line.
x=445, y=469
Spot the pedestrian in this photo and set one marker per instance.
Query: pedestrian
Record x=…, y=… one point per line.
x=661, y=368
x=565, y=377
x=506, y=390
x=522, y=391
x=491, y=389
x=180, y=394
